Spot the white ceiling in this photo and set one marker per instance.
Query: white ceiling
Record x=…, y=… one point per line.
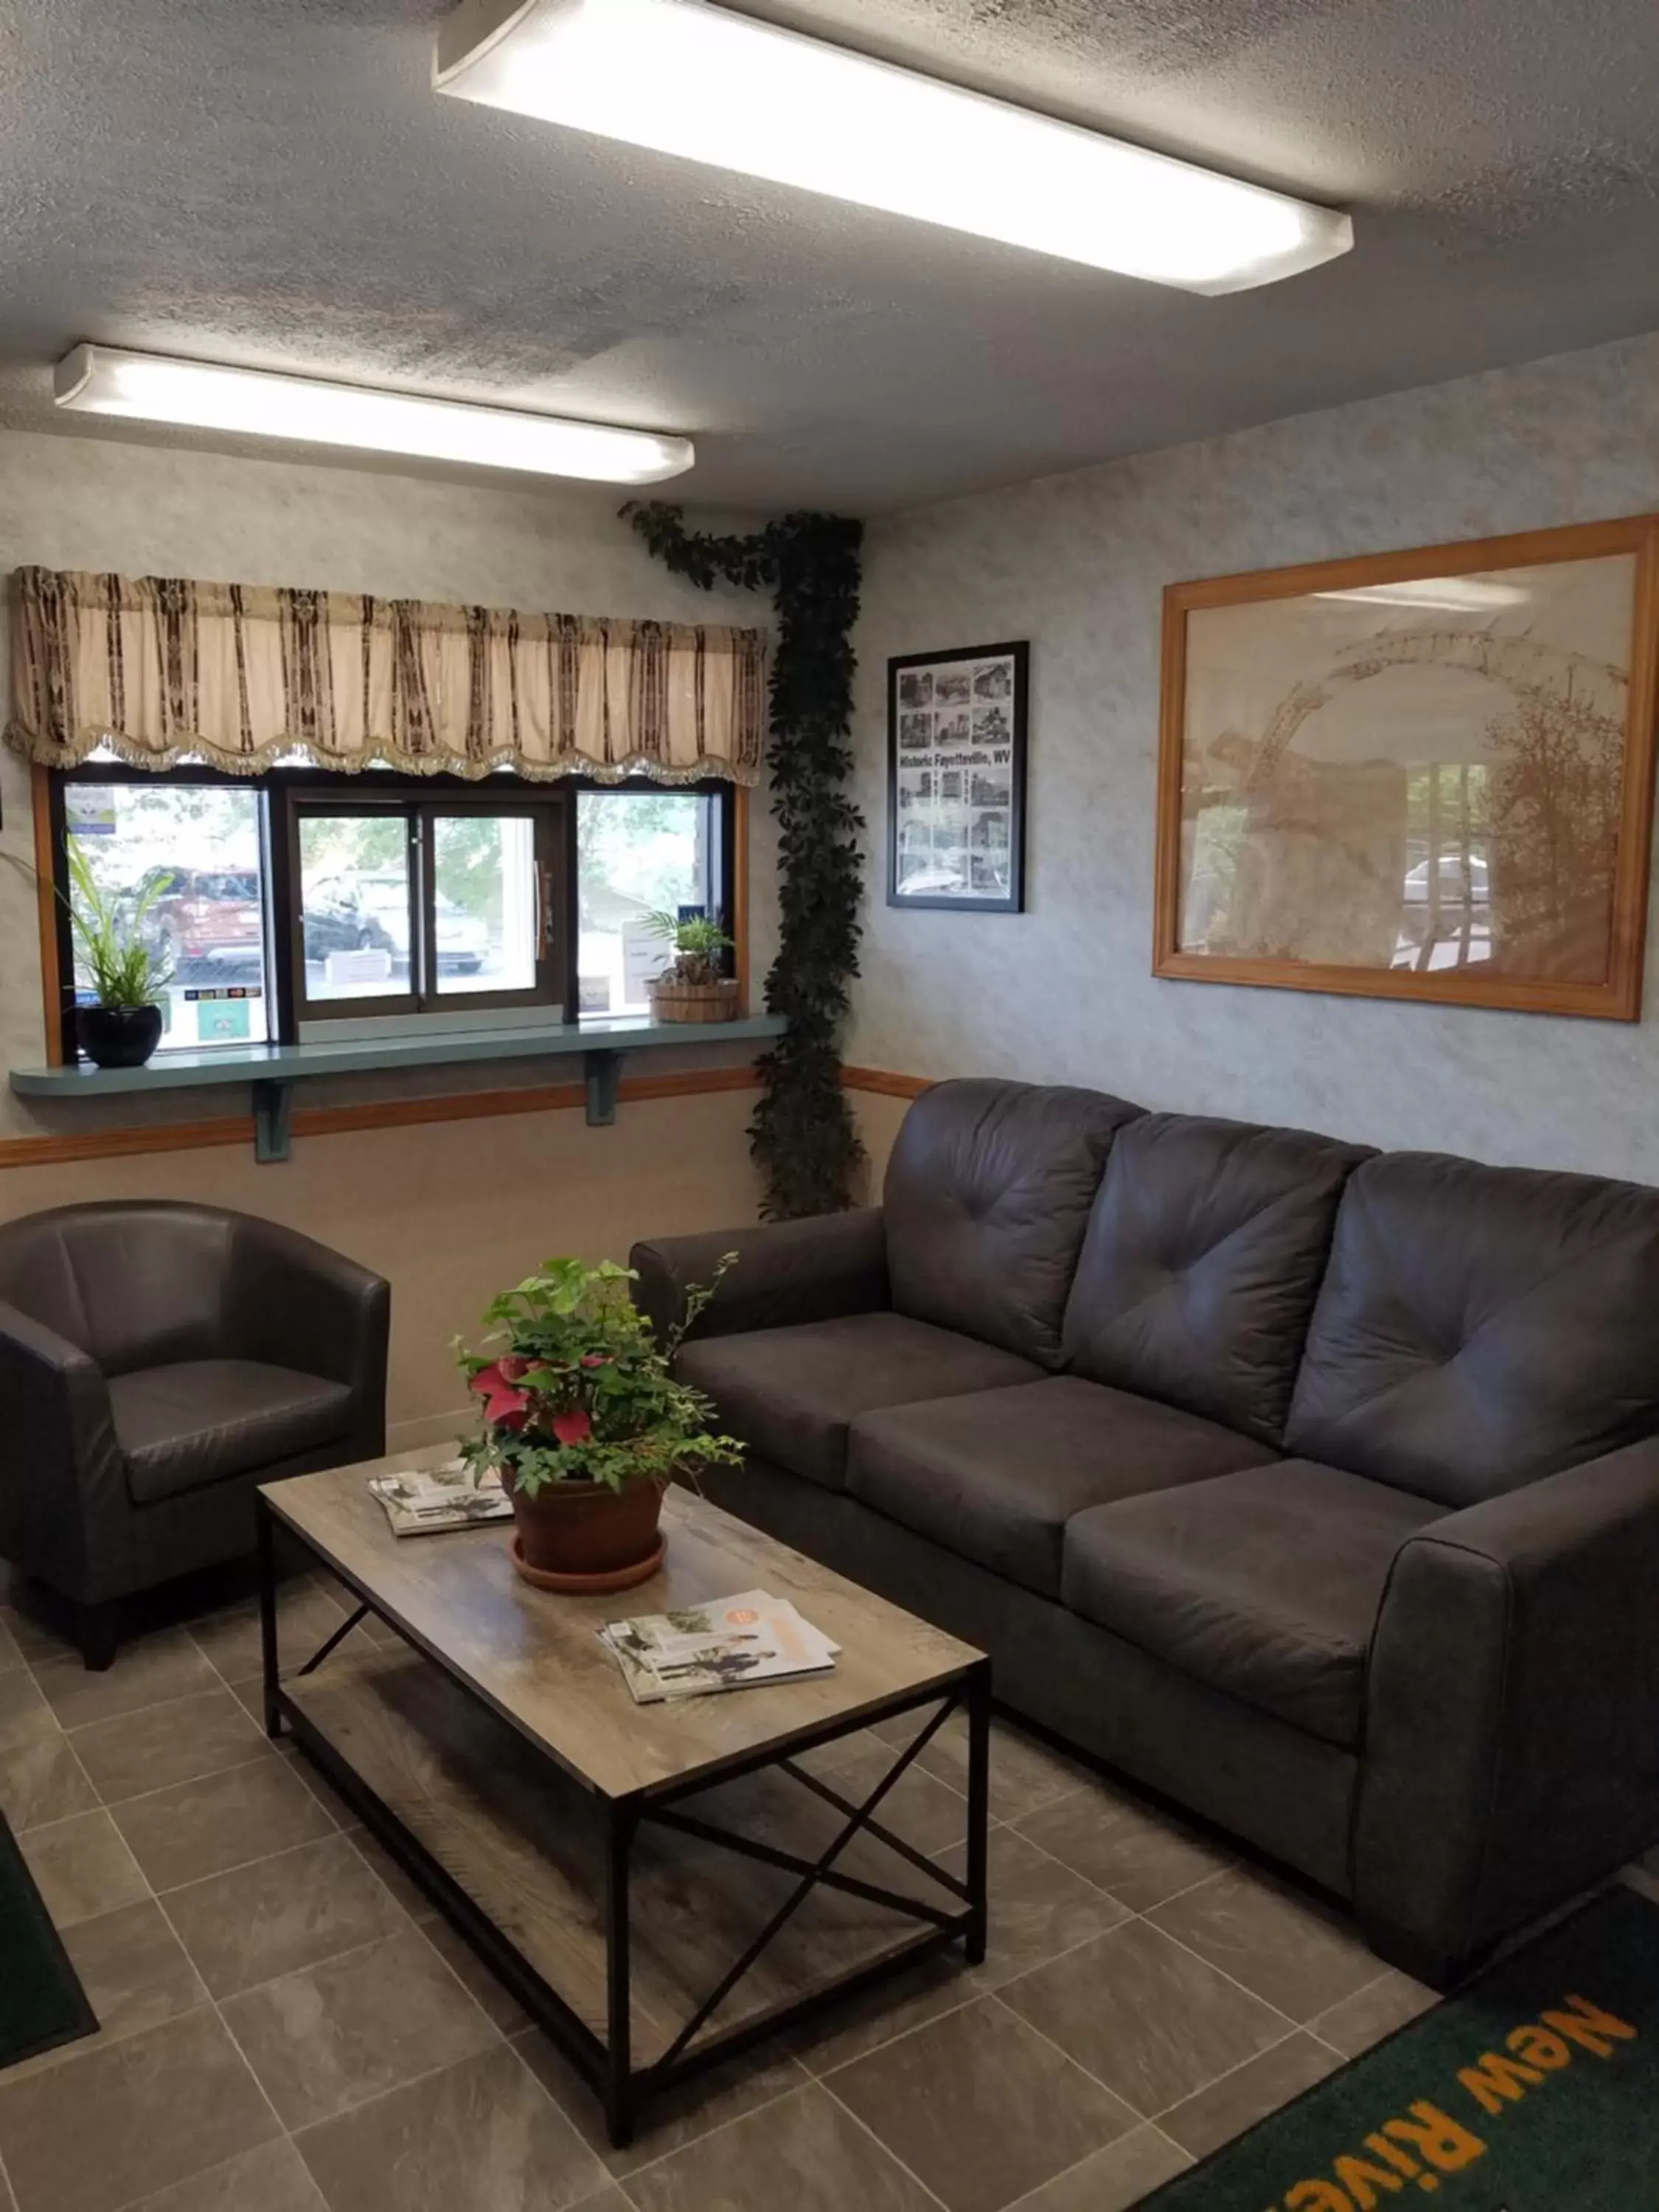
x=272, y=182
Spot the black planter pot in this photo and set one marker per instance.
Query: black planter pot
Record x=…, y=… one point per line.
x=118, y=1036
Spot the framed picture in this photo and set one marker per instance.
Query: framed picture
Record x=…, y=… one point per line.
x=1417, y=775
x=956, y=779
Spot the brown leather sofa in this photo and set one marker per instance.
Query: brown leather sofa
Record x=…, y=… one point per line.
x=157, y=1361
x=1317, y=1488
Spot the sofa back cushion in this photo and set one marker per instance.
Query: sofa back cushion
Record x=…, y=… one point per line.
x=988, y=1190
x=1202, y=1264
x=1480, y=1326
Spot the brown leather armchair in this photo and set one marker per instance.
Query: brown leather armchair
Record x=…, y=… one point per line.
x=157, y=1361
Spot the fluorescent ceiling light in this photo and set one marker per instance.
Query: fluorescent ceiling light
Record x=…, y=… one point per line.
x=1463, y=595
x=684, y=77
x=148, y=388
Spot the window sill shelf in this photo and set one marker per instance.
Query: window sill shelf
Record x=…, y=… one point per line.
x=272, y=1071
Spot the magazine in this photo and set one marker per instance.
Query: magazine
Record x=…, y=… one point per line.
x=419, y=1503
x=729, y=1643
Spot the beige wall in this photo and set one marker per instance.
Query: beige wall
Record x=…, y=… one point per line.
x=1077, y=564
x=448, y=1211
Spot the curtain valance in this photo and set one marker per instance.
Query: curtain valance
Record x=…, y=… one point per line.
x=243, y=676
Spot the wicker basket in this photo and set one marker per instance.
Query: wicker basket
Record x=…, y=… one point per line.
x=673, y=1001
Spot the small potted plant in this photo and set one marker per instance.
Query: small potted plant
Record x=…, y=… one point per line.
x=691, y=987
x=122, y=1026
x=585, y=1423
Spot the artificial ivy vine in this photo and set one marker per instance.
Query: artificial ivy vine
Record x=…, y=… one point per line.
x=802, y=1135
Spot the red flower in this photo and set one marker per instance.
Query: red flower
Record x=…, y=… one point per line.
x=596, y=1359
x=572, y=1428
x=504, y=1406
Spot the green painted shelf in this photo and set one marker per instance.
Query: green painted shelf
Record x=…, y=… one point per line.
x=272, y=1071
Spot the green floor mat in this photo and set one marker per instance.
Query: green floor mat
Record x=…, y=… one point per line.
x=41, y=2003
x=1535, y=2090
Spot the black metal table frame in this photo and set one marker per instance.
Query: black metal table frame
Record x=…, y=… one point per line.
x=607, y=2063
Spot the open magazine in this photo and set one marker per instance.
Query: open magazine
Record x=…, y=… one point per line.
x=729, y=1643
x=419, y=1501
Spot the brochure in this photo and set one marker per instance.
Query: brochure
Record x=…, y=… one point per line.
x=730, y=1644
x=419, y=1503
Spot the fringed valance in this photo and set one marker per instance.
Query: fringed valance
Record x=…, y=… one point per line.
x=244, y=677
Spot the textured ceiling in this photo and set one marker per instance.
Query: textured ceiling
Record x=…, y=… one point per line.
x=272, y=182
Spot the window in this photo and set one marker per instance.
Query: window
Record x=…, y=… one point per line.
x=287, y=901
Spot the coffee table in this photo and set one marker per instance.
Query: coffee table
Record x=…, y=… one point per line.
x=658, y=1885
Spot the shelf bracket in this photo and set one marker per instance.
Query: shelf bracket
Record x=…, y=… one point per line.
x=603, y=1071
x=273, y=1121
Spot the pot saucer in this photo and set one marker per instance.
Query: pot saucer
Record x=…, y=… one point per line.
x=617, y=1579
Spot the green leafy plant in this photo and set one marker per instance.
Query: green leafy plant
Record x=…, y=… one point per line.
x=125, y=974
x=802, y=1135
x=698, y=946
x=576, y=1388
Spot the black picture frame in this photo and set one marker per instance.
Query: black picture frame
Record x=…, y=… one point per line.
x=939, y=780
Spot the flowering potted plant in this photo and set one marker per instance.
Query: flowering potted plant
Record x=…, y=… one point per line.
x=585, y=1424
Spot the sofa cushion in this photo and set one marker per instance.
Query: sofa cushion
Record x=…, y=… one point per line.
x=791, y=1393
x=199, y=1420
x=1480, y=1326
x=988, y=1192
x=996, y=1477
x=1265, y=1585
x=1201, y=1263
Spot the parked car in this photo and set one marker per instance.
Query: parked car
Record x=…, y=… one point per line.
x=194, y=915
x=369, y=912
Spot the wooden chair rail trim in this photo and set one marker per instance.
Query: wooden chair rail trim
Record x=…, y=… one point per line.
x=377, y=1114
x=884, y=1083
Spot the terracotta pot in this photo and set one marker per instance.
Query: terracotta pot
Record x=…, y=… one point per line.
x=118, y=1036
x=579, y=1537
x=672, y=1001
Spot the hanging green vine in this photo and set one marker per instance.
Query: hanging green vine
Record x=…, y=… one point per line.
x=802, y=1133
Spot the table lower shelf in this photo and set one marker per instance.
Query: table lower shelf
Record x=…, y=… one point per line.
x=526, y=1849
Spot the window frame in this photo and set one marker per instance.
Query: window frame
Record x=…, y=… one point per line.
x=283, y=793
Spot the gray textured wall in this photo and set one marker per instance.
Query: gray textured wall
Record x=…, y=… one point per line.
x=1077, y=563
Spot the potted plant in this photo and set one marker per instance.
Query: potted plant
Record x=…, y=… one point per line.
x=585, y=1423
x=691, y=987
x=123, y=1026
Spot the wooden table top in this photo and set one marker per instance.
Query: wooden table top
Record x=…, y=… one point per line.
x=535, y=1658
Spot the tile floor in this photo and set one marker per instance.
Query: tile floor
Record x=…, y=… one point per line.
x=287, y=2029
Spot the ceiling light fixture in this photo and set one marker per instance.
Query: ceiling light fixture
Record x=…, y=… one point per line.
x=687, y=78
x=144, y=387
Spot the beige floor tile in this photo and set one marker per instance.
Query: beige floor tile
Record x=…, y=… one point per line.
x=861, y=2024
x=1038, y=1907
x=927, y=1813
x=81, y=1868
x=305, y=1617
x=24, y=1713
x=133, y=1970
x=202, y=1827
x=1202, y=2124
x=31, y=1634
x=125, y=2119
x=1300, y=1954
x=1151, y=2019
x=1112, y=2179
x=1025, y=1774
x=149, y=1673
x=610, y=2199
x=724, y=2092
x=481, y=2136
x=281, y=1914
x=1136, y=1852
x=136, y=1752
x=10, y=1653
x=272, y=2178
x=829, y=1757
x=492, y=1997
x=331, y=2036
x=1361, y=2020
x=8, y=2202
x=805, y=2152
x=41, y=1779
x=374, y=1855
x=979, y=2107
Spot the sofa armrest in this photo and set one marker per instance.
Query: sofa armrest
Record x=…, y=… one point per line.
x=814, y=1269
x=1512, y=1728
x=61, y=1466
x=298, y=1304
